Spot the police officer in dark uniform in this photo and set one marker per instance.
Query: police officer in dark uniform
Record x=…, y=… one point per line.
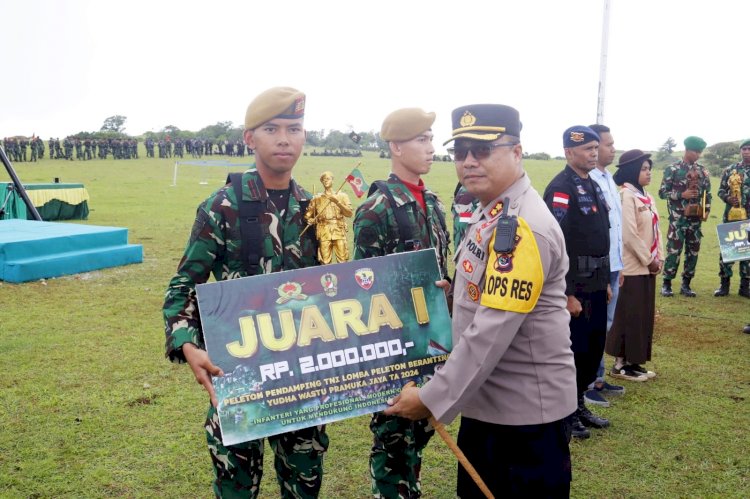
x=580, y=208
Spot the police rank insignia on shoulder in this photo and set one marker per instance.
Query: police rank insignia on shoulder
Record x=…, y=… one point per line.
x=514, y=281
x=496, y=209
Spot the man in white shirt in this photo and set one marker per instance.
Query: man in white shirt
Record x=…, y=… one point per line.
x=597, y=390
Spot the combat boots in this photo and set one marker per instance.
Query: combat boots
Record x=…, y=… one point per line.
x=666, y=288
x=723, y=289
x=588, y=418
x=577, y=428
x=685, y=288
x=745, y=287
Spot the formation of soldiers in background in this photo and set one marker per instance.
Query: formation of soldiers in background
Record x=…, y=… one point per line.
x=22, y=149
x=197, y=148
x=17, y=148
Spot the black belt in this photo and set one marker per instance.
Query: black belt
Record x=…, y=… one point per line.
x=591, y=263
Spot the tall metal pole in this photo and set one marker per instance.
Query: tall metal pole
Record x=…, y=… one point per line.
x=603, y=65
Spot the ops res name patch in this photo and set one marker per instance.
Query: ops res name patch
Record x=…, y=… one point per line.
x=517, y=289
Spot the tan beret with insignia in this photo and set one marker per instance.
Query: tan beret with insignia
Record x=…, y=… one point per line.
x=405, y=124
x=277, y=102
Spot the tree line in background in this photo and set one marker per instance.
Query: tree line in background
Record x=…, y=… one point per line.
x=335, y=142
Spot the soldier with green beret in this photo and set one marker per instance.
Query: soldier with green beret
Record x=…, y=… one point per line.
x=398, y=443
x=219, y=245
x=734, y=190
x=687, y=188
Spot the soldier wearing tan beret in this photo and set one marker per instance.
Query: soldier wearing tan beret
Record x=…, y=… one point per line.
x=401, y=214
x=227, y=245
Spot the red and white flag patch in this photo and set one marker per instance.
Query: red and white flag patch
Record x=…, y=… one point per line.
x=560, y=200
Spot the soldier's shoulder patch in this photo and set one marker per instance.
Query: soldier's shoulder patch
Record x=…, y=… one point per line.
x=367, y=236
x=513, y=281
x=201, y=219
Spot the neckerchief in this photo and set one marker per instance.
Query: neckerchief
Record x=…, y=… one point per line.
x=646, y=200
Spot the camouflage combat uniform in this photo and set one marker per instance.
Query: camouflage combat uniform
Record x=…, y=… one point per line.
x=464, y=204
x=398, y=443
x=34, y=149
x=68, y=145
x=214, y=248
x=683, y=231
x=725, y=269
x=24, y=145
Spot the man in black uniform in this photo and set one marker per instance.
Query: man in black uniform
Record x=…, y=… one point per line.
x=579, y=206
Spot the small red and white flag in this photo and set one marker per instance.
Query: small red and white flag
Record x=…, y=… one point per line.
x=465, y=216
x=560, y=200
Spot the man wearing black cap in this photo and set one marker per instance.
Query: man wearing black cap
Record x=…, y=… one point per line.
x=578, y=204
x=687, y=188
x=511, y=373
x=734, y=190
x=222, y=244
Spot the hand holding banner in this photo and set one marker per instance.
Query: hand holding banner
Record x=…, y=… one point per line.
x=344, y=339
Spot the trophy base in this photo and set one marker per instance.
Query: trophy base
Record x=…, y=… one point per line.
x=694, y=211
x=736, y=214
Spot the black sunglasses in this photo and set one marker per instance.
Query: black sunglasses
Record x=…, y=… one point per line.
x=478, y=149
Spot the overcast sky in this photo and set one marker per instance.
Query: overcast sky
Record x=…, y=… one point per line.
x=675, y=67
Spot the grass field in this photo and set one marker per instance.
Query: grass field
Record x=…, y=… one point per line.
x=89, y=407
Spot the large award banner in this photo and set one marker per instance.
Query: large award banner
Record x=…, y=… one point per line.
x=315, y=345
x=733, y=242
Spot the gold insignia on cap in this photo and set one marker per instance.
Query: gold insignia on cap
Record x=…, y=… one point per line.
x=467, y=119
x=299, y=105
x=576, y=136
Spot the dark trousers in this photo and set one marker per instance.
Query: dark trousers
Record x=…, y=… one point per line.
x=530, y=461
x=588, y=333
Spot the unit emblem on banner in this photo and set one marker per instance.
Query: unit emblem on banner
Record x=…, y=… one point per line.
x=330, y=284
x=290, y=291
x=365, y=277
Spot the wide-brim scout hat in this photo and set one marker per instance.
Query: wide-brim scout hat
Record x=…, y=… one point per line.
x=633, y=156
x=485, y=122
x=277, y=102
x=405, y=124
x=579, y=135
x=694, y=143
